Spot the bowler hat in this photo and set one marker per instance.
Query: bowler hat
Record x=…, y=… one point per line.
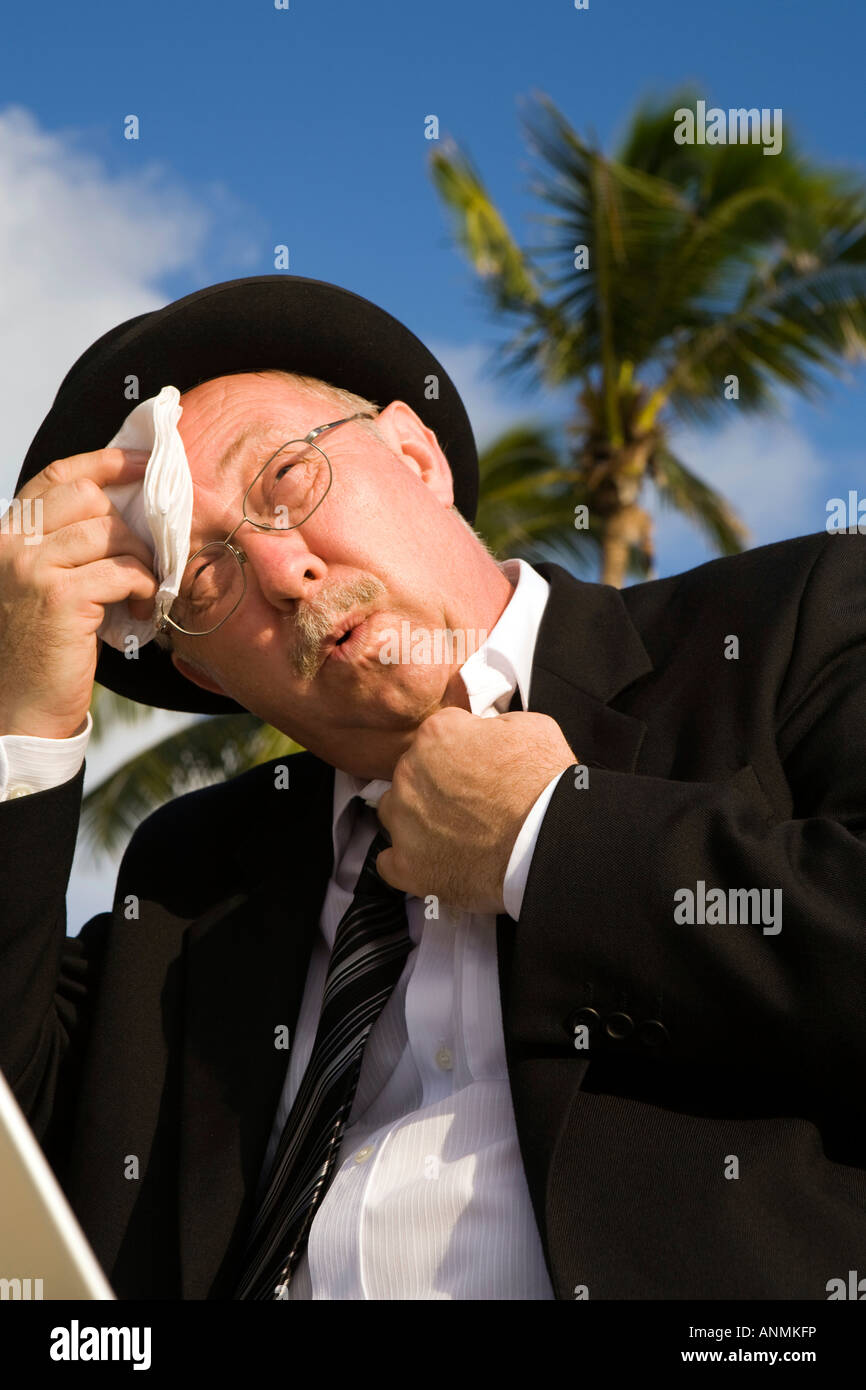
x=264, y=321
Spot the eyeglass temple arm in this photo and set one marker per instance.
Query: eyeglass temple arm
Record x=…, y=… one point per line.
x=361, y=415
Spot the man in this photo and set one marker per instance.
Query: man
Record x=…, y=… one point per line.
x=621, y=1051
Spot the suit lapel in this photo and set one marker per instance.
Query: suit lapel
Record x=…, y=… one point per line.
x=587, y=651
x=246, y=964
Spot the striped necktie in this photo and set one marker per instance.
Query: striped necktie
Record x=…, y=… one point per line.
x=370, y=950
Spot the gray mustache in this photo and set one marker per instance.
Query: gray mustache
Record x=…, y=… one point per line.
x=314, y=624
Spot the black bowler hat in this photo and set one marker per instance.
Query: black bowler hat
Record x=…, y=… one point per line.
x=276, y=321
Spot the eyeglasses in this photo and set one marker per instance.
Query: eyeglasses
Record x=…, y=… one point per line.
x=283, y=495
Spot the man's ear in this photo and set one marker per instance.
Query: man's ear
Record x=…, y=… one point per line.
x=194, y=674
x=407, y=435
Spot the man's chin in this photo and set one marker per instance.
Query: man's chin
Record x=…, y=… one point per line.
x=370, y=724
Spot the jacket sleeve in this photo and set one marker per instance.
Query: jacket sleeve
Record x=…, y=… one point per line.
x=47, y=979
x=597, y=929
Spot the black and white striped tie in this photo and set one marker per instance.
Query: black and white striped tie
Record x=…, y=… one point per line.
x=370, y=949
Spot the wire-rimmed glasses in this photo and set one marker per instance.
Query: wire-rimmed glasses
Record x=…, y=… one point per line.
x=285, y=492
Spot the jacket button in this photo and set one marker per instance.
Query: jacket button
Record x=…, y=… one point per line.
x=653, y=1033
x=584, y=1018
x=618, y=1026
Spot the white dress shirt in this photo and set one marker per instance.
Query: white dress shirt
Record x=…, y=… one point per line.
x=429, y=1198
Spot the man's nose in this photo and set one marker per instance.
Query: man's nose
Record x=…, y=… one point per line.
x=282, y=565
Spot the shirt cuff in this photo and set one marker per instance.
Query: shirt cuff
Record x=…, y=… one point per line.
x=524, y=847
x=30, y=764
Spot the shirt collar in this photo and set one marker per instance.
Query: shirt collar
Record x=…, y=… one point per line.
x=502, y=663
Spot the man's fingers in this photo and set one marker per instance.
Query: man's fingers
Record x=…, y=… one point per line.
x=383, y=810
x=103, y=466
x=117, y=578
x=95, y=538
x=73, y=501
x=385, y=866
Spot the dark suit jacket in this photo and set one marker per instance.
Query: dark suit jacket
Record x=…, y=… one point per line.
x=153, y=1035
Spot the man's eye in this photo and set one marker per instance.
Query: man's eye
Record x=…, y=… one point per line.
x=201, y=577
x=201, y=587
x=300, y=464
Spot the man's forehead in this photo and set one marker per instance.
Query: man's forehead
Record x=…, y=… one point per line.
x=258, y=431
x=270, y=427
x=258, y=409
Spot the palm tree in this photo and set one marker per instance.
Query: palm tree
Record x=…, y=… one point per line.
x=527, y=500
x=706, y=263
x=680, y=277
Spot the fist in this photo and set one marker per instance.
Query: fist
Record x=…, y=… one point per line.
x=458, y=797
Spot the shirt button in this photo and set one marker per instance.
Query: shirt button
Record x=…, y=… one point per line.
x=18, y=790
x=363, y=1154
x=444, y=1059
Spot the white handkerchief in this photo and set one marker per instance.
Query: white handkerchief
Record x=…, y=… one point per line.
x=159, y=509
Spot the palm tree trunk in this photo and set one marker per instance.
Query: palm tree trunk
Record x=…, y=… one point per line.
x=624, y=528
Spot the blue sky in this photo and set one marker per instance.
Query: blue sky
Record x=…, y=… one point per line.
x=306, y=127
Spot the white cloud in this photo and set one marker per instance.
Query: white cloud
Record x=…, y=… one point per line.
x=80, y=251
x=768, y=468
x=769, y=471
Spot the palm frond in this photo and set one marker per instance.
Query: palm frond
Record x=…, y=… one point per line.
x=482, y=231
x=107, y=710
x=680, y=488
